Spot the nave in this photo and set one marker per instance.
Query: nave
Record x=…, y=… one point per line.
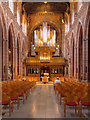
x=40, y=42
x=42, y=103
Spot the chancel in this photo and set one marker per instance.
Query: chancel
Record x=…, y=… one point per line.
x=42, y=43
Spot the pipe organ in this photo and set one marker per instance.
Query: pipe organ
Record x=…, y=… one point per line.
x=45, y=41
x=45, y=35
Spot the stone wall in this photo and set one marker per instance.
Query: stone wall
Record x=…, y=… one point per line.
x=8, y=20
x=82, y=19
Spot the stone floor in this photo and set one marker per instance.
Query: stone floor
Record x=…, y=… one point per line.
x=42, y=103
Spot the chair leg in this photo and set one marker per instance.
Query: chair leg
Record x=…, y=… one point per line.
x=55, y=91
x=26, y=95
x=78, y=110
x=81, y=111
x=58, y=95
x=18, y=103
x=60, y=99
x=23, y=98
x=9, y=109
x=64, y=109
x=0, y=108
x=75, y=109
x=30, y=90
x=12, y=106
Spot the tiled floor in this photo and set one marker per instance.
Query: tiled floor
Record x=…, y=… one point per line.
x=42, y=103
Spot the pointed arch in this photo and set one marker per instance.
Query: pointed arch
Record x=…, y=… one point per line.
x=18, y=54
x=72, y=45
x=11, y=40
x=80, y=51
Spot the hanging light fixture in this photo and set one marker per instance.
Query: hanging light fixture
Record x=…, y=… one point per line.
x=45, y=2
x=45, y=12
x=45, y=7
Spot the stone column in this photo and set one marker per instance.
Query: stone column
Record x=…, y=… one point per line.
x=5, y=60
x=84, y=59
x=65, y=71
x=75, y=60
x=20, y=63
x=76, y=63
x=15, y=62
x=25, y=69
x=1, y=52
x=70, y=67
x=88, y=59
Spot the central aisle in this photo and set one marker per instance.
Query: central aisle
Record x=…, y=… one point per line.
x=42, y=103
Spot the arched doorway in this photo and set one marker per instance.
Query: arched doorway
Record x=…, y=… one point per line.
x=10, y=52
x=80, y=54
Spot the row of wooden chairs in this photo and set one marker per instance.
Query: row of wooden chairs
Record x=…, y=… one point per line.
x=55, y=78
x=13, y=90
x=35, y=79
x=74, y=94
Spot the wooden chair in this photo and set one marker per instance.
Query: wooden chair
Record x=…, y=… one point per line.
x=85, y=101
x=6, y=101
x=70, y=100
x=13, y=95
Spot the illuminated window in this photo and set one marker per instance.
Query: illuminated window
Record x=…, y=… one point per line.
x=35, y=35
x=25, y=28
x=24, y=25
x=18, y=17
x=72, y=14
x=79, y=5
x=11, y=5
x=66, y=28
x=67, y=23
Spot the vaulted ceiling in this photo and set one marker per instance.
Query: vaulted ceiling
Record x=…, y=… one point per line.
x=33, y=7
